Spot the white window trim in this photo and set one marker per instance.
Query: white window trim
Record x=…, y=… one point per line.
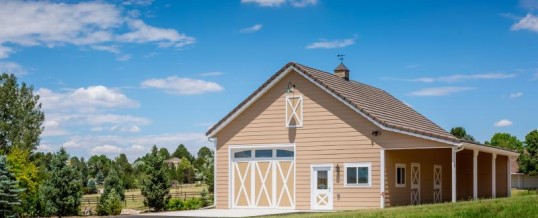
x=363, y=164
x=301, y=123
x=400, y=165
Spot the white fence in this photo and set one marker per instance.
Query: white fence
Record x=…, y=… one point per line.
x=522, y=181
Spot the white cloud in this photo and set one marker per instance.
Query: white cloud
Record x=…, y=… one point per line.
x=439, y=91
x=462, y=77
x=302, y=3
x=276, y=3
x=265, y=3
x=143, y=33
x=255, y=28
x=85, y=99
x=109, y=48
x=46, y=23
x=503, y=123
x=535, y=77
x=5, y=51
x=13, y=68
x=182, y=86
x=124, y=57
x=106, y=149
x=515, y=95
x=216, y=73
x=138, y=2
x=529, y=22
x=134, y=146
x=332, y=44
x=44, y=147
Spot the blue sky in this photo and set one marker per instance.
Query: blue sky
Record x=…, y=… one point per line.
x=119, y=76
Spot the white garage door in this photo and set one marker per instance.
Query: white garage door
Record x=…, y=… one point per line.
x=263, y=178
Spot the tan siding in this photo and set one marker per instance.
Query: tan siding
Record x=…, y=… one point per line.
x=501, y=175
x=332, y=133
x=427, y=158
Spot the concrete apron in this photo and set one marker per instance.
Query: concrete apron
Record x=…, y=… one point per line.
x=222, y=213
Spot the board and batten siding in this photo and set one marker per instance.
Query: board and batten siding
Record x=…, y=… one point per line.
x=332, y=134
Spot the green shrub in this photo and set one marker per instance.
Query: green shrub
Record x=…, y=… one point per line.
x=110, y=204
x=190, y=204
x=205, y=198
x=174, y=204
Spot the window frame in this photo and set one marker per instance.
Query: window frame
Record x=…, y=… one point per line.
x=358, y=165
x=301, y=116
x=396, y=167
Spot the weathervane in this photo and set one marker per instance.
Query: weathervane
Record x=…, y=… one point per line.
x=341, y=57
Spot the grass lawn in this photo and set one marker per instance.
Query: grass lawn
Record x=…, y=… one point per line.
x=521, y=204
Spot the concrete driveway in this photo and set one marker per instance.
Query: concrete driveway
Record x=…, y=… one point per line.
x=217, y=213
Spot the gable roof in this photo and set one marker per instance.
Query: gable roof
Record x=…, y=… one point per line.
x=375, y=104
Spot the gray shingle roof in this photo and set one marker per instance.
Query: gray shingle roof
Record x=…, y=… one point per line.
x=375, y=103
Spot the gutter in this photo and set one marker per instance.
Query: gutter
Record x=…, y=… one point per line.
x=214, y=140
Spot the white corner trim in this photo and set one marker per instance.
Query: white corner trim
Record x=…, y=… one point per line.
x=382, y=178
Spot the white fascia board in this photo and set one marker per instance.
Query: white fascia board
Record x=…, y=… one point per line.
x=251, y=101
x=492, y=150
x=290, y=68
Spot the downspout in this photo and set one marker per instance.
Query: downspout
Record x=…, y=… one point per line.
x=214, y=140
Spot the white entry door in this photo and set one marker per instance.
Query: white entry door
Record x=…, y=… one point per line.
x=322, y=188
x=415, y=183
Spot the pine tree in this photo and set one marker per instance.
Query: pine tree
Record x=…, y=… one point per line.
x=9, y=190
x=114, y=185
x=62, y=192
x=156, y=186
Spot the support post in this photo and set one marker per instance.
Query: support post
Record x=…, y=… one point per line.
x=475, y=174
x=454, y=174
x=382, y=179
x=493, y=176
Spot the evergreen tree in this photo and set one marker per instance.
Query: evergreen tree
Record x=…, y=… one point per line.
x=61, y=193
x=9, y=190
x=156, y=185
x=164, y=152
x=125, y=171
x=182, y=152
x=27, y=174
x=20, y=115
x=113, y=185
x=91, y=187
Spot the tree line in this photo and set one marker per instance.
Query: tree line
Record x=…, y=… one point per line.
x=40, y=184
x=528, y=148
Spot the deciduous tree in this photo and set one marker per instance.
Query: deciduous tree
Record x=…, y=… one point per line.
x=20, y=115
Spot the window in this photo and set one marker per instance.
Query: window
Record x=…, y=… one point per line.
x=358, y=174
x=294, y=111
x=243, y=154
x=284, y=153
x=263, y=153
x=400, y=175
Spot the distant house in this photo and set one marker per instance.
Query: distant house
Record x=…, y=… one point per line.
x=173, y=162
x=308, y=139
